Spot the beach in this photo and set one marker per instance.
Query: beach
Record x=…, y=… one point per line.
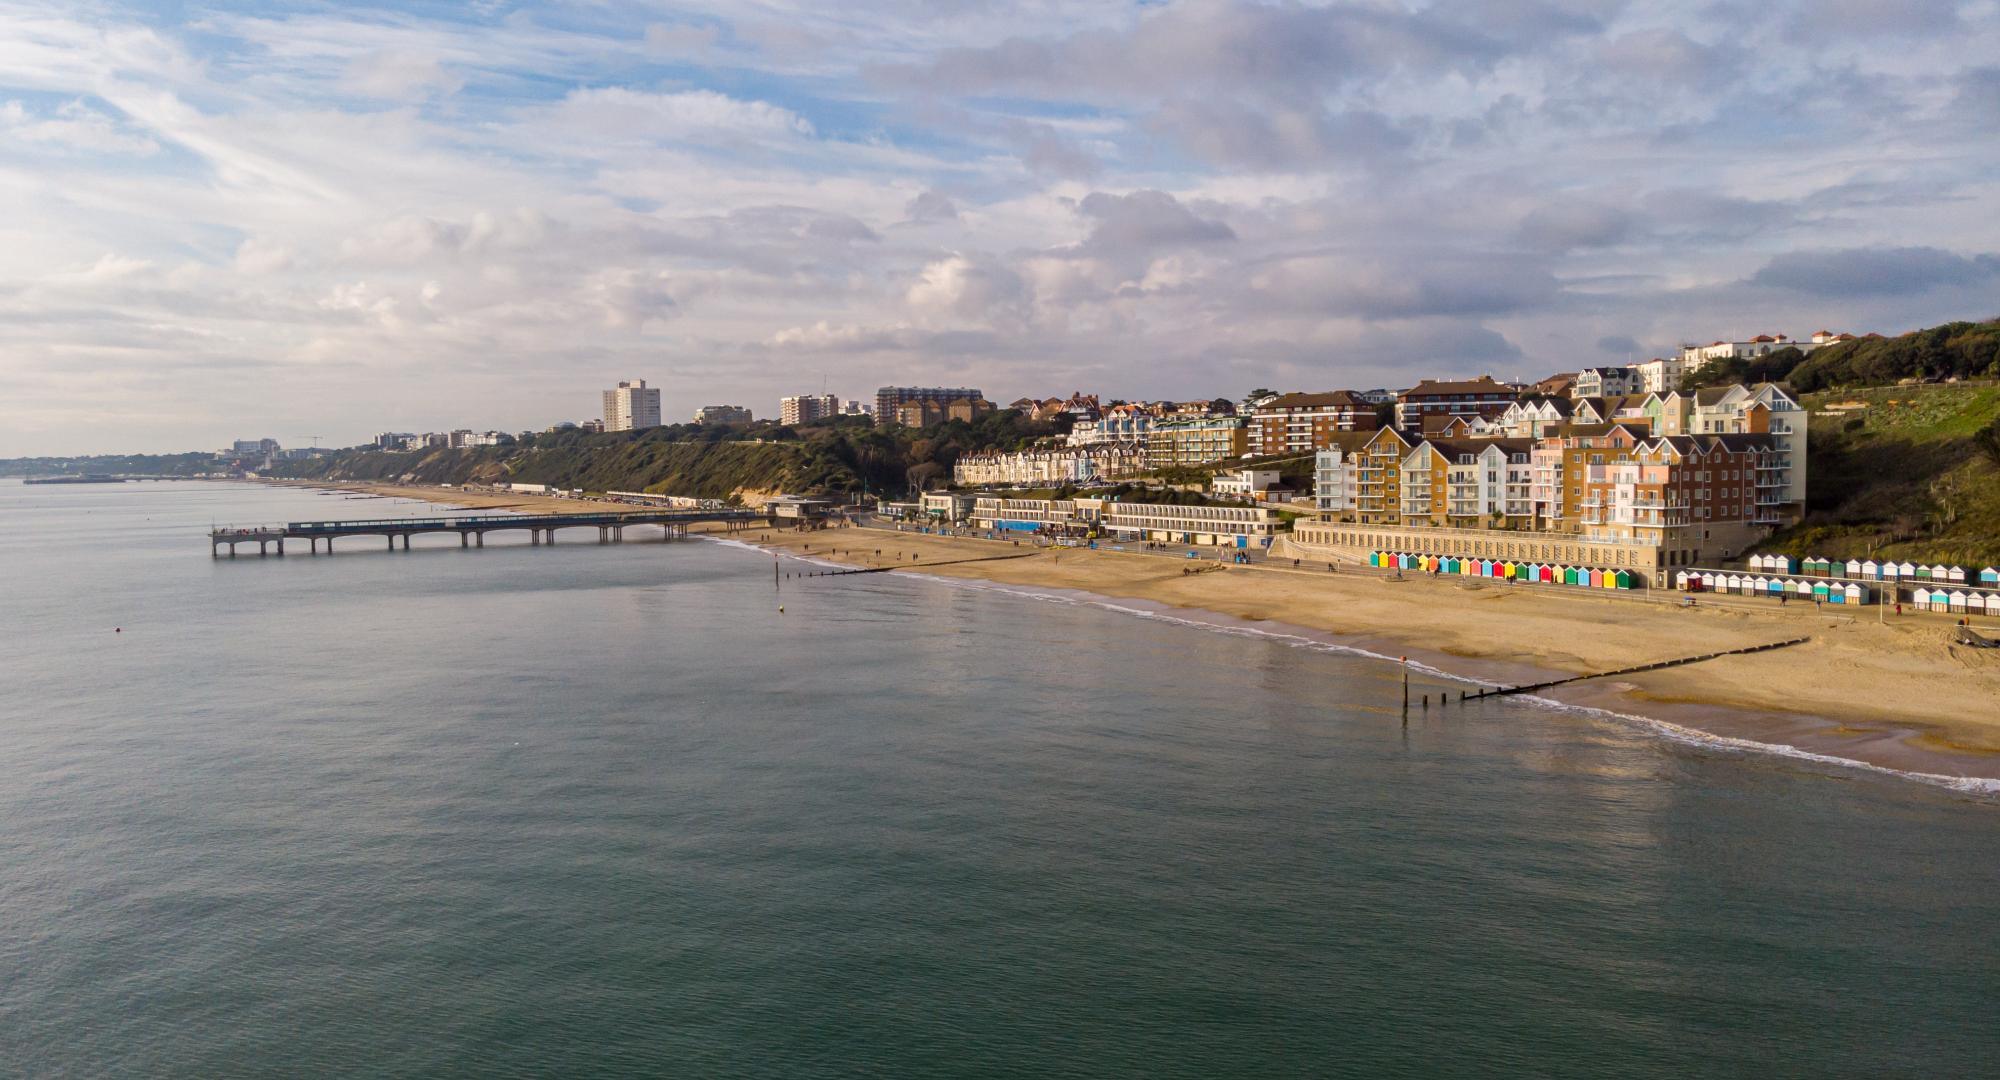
x=1896, y=694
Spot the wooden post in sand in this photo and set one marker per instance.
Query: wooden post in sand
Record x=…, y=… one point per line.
x=1406, y=691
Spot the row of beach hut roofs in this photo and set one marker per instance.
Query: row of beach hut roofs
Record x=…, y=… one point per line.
x=1533, y=573
x=1870, y=570
x=1821, y=589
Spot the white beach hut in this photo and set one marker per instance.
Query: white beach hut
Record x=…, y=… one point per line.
x=1956, y=601
x=1955, y=575
x=1871, y=569
x=1906, y=570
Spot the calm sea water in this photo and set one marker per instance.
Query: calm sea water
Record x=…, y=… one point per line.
x=604, y=811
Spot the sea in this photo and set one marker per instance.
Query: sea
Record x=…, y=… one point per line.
x=660, y=809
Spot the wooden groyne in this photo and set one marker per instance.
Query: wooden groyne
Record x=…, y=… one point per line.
x=1503, y=691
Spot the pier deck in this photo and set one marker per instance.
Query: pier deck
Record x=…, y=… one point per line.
x=472, y=529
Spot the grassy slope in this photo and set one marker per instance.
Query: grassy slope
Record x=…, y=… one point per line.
x=600, y=463
x=1901, y=479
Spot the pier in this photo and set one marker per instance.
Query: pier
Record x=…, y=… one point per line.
x=472, y=530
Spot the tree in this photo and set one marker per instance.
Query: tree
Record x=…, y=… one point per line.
x=921, y=475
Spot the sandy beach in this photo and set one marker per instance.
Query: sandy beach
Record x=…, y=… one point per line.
x=1898, y=694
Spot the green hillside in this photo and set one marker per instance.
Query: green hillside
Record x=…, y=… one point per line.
x=840, y=457
x=1914, y=475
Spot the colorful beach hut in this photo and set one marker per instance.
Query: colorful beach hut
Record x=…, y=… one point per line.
x=1990, y=576
x=1856, y=594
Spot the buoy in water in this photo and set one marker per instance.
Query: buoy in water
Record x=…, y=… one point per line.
x=781, y=609
x=117, y=629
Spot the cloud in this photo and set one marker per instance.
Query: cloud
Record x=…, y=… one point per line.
x=1865, y=272
x=1146, y=221
x=621, y=114
x=74, y=127
x=965, y=287
x=497, y=210
x=400, y=75
x=931, y=206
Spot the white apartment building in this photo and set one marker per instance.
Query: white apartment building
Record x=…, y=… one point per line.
x=1334, y=478
x=632, y=406
x=1661, y=374
x=1606, y=382
x=1051, y=466
x=1695, y=357
x=1244, y=482
x=1208, y=526
x=806, y=408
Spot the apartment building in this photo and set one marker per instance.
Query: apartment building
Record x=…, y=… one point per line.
x=1429, y=403
x=632, y=406
x=1302, y=423
x=1336, y=475
x=1662, y=374
x=1195, y=440
x=722, y=414
x=1051, y=466
x=806, y=408
x=1208, y=526
x=889, y=400
x=1693, y=497
x=1606, y=382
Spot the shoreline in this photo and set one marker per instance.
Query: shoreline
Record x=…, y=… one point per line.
x=1894, y=697
x=1922, y=742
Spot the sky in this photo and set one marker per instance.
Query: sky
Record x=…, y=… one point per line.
x=315, y=222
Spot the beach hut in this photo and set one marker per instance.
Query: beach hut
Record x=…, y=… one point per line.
x=1856, y=594
x=1621, y=579
x=1547, y=573
x=1956, y=602
x=1783, y=564
x=1774, y=587
x=1871, y=570
x=1681, y=580
x=1923, y=573
x=1760, y=562
x=1819, y=590
x=1758, y=586
x=1990, y=576
x=1488, y=568
x=1956, y=575
x=1853, y=568
x=1906, y=570
x=1836, y=594
x=1921, y=599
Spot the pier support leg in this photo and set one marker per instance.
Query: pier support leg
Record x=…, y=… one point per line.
x=406, y=541
x=552, y=537
x=281, y=547
x=603, y=535
x=329, y=545
x=392, y=542
x=232, y=549
x=479, y=539
x=618, y=534
x=263, y=547
x=214, y=550
x=534, y=538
